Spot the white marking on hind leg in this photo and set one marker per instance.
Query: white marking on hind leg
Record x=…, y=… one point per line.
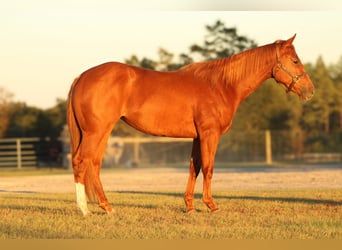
x=81, y=198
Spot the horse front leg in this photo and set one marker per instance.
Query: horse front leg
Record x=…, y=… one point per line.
x=195, y=166
x=208, y=150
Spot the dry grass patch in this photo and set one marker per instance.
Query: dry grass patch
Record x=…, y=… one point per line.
x=294, y=214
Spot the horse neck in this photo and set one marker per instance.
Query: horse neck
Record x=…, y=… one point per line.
x=246, y=71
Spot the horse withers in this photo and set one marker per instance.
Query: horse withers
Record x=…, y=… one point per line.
x=197, y=101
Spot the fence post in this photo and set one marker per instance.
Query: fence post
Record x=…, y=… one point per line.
x=136, y=151
x=18, y=142
x=268, y=146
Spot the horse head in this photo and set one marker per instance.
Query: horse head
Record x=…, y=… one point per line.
x=290, y=72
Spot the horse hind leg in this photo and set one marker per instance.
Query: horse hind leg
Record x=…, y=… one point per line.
x=81, y=198
x=195, y=167
x=101, y=197
x=87, y=172
x=79, y=168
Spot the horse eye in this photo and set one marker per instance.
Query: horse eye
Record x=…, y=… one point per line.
x=295, y=61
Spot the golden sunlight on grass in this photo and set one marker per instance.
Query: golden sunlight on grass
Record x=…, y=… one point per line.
x=291, y=214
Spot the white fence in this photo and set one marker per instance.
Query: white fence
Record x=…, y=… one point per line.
x=18, y=152
x=136, y=150
x=35, y=152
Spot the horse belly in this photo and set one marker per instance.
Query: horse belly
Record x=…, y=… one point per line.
x=159, y=122
x=159, y=104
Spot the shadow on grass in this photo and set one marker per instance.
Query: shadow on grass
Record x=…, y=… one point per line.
x=244, y=197
x=27, y=203
x=17, y=192
x=284, y=199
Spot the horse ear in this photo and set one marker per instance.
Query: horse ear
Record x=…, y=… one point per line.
x=290, y=41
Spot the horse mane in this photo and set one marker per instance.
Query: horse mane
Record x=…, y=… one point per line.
x=231, y=70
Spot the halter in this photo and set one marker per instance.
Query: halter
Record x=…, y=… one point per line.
x=295, y=78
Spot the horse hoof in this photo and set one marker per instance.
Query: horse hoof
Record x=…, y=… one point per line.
x=106, y=207
x=214, y=210
x=110, y=212
x=190, y=211
x=86, y=213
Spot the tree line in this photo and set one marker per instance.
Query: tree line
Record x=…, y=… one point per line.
x=314, y=126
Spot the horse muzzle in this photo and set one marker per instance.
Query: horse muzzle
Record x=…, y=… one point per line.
x=306, y=92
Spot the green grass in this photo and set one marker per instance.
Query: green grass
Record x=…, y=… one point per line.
x=286, y=214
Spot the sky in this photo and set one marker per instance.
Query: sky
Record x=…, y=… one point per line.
x=45, y=44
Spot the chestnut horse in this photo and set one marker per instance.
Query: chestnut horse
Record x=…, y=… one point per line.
x=197, y=101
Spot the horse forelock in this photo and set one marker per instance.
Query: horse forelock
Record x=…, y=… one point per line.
x=231, y=70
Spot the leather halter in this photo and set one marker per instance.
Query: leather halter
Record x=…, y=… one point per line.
x=295, y=78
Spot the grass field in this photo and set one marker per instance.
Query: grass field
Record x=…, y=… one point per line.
x=267, y=214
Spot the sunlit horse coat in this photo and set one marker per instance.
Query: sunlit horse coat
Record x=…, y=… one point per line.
x=197, y=101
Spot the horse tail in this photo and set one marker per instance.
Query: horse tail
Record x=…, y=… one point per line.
x=75, y=142
x=74, y=129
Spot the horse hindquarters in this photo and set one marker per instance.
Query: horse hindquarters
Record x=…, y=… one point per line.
x=87, y=165
x=77, y=164
x=88, y=139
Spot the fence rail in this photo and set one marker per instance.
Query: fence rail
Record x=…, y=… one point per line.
x=265, y=147
x=29, y=152
x=18, y=152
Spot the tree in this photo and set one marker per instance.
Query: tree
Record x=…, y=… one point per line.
x=133, y=60
x=145, y=62
x=56, y=118
x=336, y=75
x=318, y=111
x=221, y=41
x=165, y=59
x=268, y=108
x=27, y=121
x=321, y=115
x=23, y=121
x=185, y=59
x=5, y=101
